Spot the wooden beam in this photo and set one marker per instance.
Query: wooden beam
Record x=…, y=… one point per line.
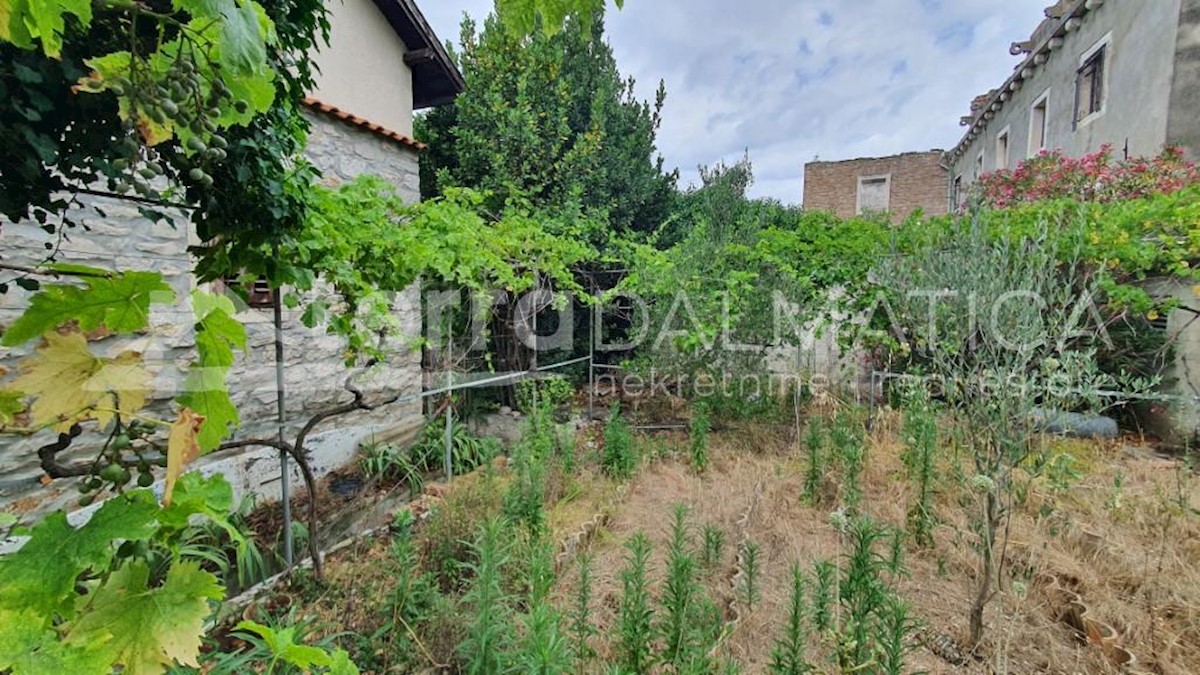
x=417, y=57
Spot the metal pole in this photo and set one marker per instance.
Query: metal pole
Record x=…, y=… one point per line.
x=281, y=417
x=448, y=459
x=592, y=366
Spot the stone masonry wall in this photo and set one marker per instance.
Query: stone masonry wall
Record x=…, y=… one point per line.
x=314, y=371
x=917, y=182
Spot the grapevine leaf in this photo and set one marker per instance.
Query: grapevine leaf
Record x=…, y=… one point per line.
x=149, y=628
x=207, y=395
x=205, y=390
x=182, y=447
x=41, y=575
x=195, y=494
x=45, y=20
x=256, y=89
x=218, y=333
x=12, y=23
x=119, y=302
x=12, y=403
x=242, y=47
x=27, y=646
x=282, y=644
x=70, y=384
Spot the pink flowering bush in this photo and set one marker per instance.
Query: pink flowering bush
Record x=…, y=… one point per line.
x=1091, y=178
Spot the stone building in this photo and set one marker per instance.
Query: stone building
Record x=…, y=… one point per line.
x=1123, y=72
x=383, y=61
x=898, y=185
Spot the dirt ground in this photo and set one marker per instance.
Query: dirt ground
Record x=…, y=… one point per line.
x=1125, y=537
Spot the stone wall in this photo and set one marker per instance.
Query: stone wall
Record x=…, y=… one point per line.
x=314, y=371
x=917, y=181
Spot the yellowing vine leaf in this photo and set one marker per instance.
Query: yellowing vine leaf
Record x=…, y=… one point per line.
x=182, y=447
x=148, y=628
x=70, y=384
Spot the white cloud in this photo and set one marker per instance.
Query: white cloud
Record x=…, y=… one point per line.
x=789, y=80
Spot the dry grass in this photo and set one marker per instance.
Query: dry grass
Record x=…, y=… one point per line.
x=1131, y=552
x=1123, y=534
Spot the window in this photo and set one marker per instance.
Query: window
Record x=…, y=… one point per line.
x=1037, y=124
x=956, y=193
x=979, y=165
x=1091, y=82
x=1002, y=150
x=874, y=193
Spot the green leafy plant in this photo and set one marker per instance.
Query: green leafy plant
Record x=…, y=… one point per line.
x=873, y=620
x=846, y=440
x=619, y=458
x=920, y=437
x=582, y=628
x=788, y=654
x=125, y=615
x=283, y=647
x=713, y=547
x=635, y=630
x=751, y=566
x=488, y=633
x=814, y=475
x=413, y=596
x=824, y=595
x=544, y=648
x=680, y=595
x=525, y=499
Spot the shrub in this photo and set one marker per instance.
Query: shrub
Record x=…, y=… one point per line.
x=1096, y=177
x=619, y=458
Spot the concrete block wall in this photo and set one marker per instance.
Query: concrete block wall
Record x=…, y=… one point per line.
x=917, y=181
x=314, y=369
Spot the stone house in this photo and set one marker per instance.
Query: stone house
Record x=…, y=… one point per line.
x=898, y=185
x=1123, y=72
x=382, y=63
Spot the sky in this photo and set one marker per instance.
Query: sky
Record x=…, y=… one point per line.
x=790, y=81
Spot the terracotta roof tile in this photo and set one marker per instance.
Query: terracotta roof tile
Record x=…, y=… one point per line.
x=334, y=111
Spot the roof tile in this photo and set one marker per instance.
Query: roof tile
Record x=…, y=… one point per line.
x=362, y=122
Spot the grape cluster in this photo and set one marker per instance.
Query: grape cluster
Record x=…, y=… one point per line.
x=178, y=98
x=117, y=463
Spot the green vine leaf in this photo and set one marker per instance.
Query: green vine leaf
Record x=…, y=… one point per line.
x=40, y=577
x=119, y=302
x=211, y=497
x=205, y=389
x=147, y=628
x=28, y=647
x=23, y=21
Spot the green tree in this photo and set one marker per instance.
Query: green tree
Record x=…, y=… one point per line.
x=548, y=118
